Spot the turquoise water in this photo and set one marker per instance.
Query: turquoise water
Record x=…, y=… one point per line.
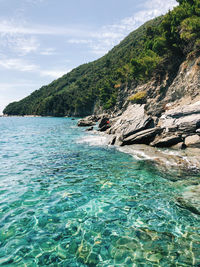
x=65, y=202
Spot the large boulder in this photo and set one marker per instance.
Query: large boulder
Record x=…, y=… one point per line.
x=192, y=141
x=133, y=120
x=185, y=110
x=142, y=137
x=104, y=123
x=184, y=120
x=167, y=141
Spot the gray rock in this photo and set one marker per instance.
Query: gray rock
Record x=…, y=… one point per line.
x=139, y=125
x=183, y=111
x=103, y=121
x=192, y=141
x=167, y=141
x=142, y=137
x=133, y=120
x=112, y=140
x=190, y=199
x=94, y=118
x=178, y=146
x=104, y=128
x=88, y=121
x=90, y=129
x=185, y=119
x=167, y=161
x=85, y=123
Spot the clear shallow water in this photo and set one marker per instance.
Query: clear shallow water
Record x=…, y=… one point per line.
x=64, y=202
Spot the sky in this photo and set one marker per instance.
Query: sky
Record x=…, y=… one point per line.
x=40, y=40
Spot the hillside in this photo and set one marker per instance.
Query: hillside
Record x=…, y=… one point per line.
x=153, y=52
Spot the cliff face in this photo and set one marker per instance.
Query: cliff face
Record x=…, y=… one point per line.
x=186, y=85
x=167, y=91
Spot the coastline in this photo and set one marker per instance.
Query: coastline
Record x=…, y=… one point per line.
x=166, y=158
x=23, y=116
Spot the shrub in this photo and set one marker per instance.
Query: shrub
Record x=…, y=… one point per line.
x=117, y=86
x=190, y=28
x=139, y=97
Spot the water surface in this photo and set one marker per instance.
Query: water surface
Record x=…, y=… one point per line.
x=68, y=202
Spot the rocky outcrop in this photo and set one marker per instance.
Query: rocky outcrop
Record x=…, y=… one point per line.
x=179, y=125
x=104, y=123
x=170, y=117
x=185, y=119
x=132, y=120
x=175, y=89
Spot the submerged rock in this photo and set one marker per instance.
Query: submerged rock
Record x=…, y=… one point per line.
x=167, y=160
x=190, y=199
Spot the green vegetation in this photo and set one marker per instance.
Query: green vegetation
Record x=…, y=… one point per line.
x=139, y=97
x=137, y=58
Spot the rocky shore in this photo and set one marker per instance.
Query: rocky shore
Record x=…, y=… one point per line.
x=171, y=142
x=176, y=128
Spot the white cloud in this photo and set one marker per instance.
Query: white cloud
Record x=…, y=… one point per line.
x=79, y=41
x=35, y=1
x=108, y=36
x=14, y=27
x=17, y=64
x=23, y=45
x=18, y=33
x=160, y=5
x=48, y=52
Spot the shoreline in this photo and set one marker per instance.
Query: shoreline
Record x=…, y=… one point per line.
x=167, y=159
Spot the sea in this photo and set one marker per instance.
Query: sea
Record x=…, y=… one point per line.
x=69, y=199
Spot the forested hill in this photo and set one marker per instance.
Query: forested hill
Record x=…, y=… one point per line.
x=157, y=47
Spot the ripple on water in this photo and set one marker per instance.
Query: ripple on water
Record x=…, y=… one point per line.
x=66, y=202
